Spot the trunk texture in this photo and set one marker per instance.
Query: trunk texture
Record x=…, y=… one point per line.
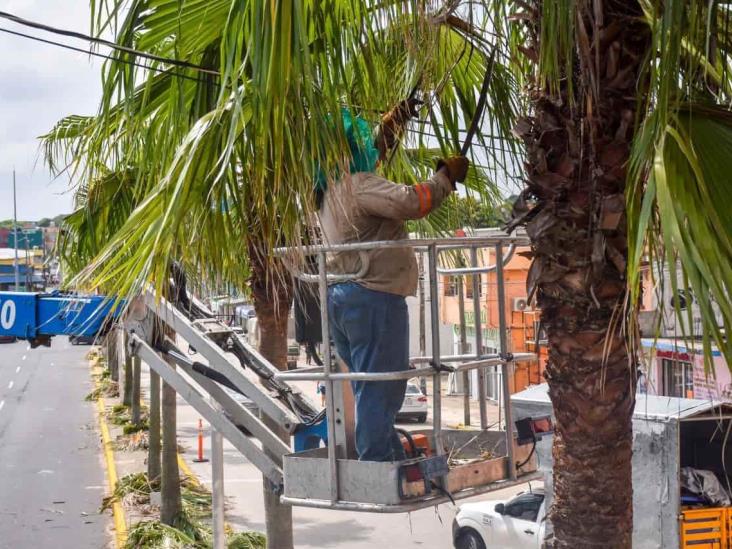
x=170, y=476
x=127, y=390
x=272, y=293
x=112, y=355
x=577, y=143
x=153, y=455
x=135, y=392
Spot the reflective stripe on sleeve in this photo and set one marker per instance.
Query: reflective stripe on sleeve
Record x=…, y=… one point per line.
x=425, y=199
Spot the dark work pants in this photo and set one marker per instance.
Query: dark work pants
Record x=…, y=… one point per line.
x=370, y=330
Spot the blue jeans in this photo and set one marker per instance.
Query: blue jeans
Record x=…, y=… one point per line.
x=370, y=330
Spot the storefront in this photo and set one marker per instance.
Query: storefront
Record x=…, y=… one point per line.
x=673, y=368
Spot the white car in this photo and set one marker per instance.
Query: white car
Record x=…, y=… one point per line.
x=514, y=524
x=415, y=403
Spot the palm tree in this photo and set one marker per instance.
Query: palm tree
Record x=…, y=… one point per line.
x=624, y=138
x=624, y=149
x=216, y=152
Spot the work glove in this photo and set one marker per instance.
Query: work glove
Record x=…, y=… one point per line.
x=393, y=122
x=456, y=168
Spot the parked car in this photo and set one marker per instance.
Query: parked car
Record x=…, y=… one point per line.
x=415, y=403
x=517, y=523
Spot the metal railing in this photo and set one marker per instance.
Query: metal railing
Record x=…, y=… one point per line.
x=432, y=247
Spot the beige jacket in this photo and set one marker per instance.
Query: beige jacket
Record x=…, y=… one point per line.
x=364, y=207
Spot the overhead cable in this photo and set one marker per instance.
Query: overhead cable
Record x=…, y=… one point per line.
x=103, y=42
x=101, y=55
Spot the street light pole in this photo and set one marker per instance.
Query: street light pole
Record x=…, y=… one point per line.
x=15, y=233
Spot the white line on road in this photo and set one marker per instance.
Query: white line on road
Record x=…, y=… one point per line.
x=17, y=369
x=23, y=357
x=2, y=403
x=10, y=385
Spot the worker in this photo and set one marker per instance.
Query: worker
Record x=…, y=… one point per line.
x=368, y=316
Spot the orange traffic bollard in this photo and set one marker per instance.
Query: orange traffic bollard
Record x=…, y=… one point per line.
x=200, y=458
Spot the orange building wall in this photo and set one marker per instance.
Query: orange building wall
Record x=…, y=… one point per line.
x=520, y=324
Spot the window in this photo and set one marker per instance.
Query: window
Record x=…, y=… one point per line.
x=525, y=507
x=413, y=389
x=469, y=286
x=678, y=378
x=451, y=288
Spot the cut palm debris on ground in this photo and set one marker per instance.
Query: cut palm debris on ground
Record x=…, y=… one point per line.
x=192, y=529
x=104, y=386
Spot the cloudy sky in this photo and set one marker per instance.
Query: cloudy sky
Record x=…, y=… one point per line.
x=39, y=84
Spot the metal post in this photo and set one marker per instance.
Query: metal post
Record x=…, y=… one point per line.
x=217, y=489
x=422, y=320
x=463, y=350
x=479, y=339
x=15, y=236
x=504, y=367
x=436, y=380
x=329, y=385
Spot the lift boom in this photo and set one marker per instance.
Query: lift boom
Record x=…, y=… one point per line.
x=39, y=316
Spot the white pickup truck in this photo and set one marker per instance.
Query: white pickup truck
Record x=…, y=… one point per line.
x=514, y=524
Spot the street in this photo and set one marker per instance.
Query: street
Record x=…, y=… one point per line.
x=52, y=476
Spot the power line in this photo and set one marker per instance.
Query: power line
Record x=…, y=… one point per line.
x=176, y=62
x=103, y=56
x=103, y=42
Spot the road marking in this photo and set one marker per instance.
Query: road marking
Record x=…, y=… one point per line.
x=120, y=522
x=23, y=357
x=10, y=385
x=2, y=403
x=17, y=369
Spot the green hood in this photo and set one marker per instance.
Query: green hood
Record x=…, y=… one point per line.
x=364, y=154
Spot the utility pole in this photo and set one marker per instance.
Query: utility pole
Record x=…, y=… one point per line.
x=15, y=233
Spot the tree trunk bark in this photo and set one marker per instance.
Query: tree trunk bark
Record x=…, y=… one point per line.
x=272, y=293
x=170, y=476
x=153, y=454
x=112, y=355
x=577, y=143
x=135, y=391
x=127, y=389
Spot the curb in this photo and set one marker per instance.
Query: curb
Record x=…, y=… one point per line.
x=183, y=466
x=120, y=521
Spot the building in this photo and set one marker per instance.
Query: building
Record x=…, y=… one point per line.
x=523, y=321
x=673, y=357
x=30, y=264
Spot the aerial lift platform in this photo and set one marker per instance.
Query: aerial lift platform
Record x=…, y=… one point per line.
x=316, y=469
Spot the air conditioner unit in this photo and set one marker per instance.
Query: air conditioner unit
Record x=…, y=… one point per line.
x=521, y=304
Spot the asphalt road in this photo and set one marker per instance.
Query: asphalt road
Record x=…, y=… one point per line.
x=52, y=476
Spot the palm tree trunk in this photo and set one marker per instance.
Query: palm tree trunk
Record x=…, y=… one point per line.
x=112, y=356
x=153, y=454
x=577, y=143
x=127, y=390
x=135, y=391
x=272, y=293
x=170, y=508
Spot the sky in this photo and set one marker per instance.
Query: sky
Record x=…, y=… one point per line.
x=39, y=84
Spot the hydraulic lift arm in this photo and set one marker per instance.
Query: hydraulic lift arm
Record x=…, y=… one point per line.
x=38, y=317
